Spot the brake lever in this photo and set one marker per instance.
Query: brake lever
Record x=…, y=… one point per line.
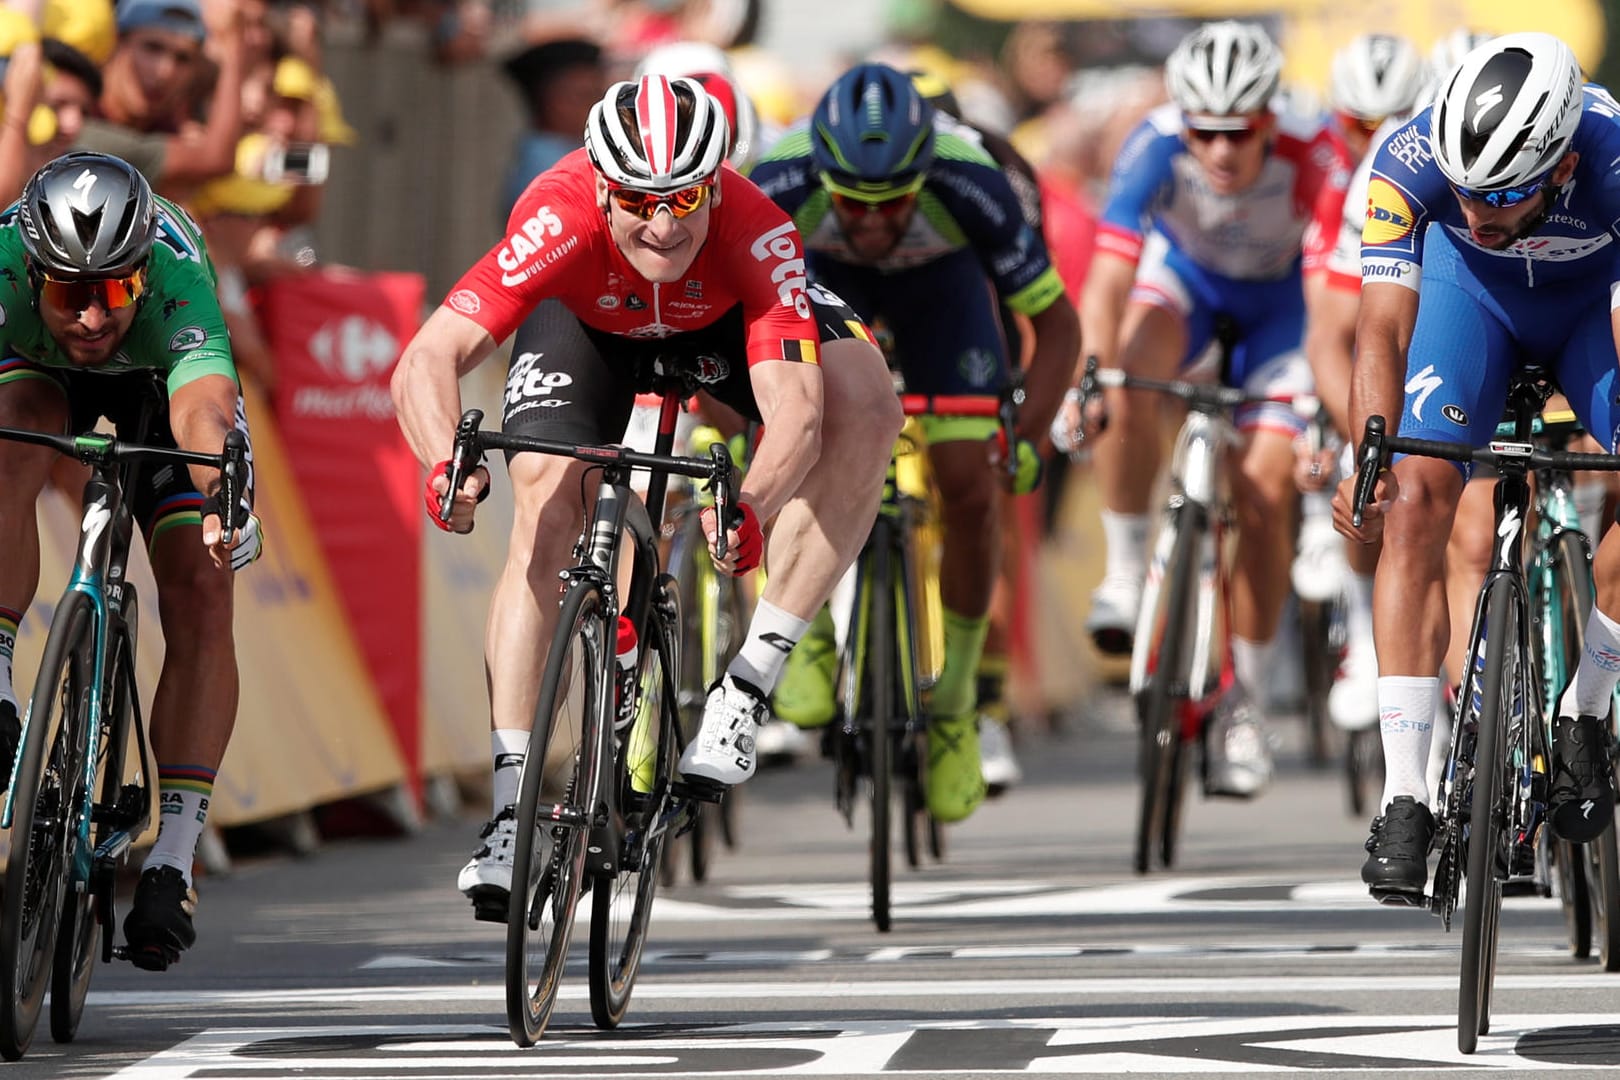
x=726, y=514
x=465, y=456
x=233, y=481
x=1370, y=464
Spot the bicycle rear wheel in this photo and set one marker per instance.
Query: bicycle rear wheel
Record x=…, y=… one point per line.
x=880, y=695
x=1320, y=660
x=621, y=904
x=1488, y=855
x=42, y=841
x=557, y=797
x=1602, y=865
x=1574, y=896
x=1363, y=767
x=82, y=913
x=1162, y=699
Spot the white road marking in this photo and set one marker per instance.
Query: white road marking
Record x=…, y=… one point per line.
x=1062, y=1045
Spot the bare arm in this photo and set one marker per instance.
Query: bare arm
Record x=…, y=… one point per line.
x=211, y=151
x=790, y=402
x=1383, y=334
x=1330, y=345
x=201, y=414
x=426, y=389
x=1102, y=304
x=1051, y=368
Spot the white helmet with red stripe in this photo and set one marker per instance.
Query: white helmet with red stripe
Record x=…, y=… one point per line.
x=659, y=134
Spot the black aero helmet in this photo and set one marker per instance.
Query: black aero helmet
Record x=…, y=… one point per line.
x=87, y=215
x=872, y=131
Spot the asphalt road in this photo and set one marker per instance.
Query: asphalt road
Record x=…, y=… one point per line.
x=1032, y=949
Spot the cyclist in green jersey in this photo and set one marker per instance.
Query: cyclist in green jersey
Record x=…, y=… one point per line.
x=107, y=297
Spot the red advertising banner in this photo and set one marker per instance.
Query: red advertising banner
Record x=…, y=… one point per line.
x=336, y=335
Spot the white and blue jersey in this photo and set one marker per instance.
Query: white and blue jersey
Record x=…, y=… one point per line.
x=1201, y=254
x=1545, y=299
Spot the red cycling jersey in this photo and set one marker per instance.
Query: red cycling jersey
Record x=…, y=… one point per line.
x=558, y=245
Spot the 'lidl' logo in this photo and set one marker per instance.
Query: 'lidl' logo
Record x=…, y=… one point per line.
x=1389, y=217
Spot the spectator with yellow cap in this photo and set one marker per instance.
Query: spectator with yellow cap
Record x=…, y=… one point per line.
x=146, y=101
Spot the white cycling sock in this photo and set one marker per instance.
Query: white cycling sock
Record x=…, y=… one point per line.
x=510, y=746
x=1406, y=706
x=771, y=636
x=1589, y=691
x=1126, y=536
x=1358, y=595
x=1254, y=664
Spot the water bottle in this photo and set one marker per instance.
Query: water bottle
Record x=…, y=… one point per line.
x=624, y=683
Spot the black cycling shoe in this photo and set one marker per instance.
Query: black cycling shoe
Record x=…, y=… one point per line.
x=1397, y=866
x=158, y=927
x=10, y=741
x=1581, y=801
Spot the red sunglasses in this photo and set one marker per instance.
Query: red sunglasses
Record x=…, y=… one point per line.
x=644, y=204
x=889, y=207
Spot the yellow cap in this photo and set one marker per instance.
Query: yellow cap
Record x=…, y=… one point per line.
x=15, y=29
x=243, y=192
x=87, y=25
x=296, y=79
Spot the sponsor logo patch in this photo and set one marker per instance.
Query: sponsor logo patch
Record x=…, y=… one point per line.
x=465, y=301
x=1389, y=216
x=187, y=338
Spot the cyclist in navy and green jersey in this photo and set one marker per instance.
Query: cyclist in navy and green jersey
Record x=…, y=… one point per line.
x=907, y=218
x=107, y=296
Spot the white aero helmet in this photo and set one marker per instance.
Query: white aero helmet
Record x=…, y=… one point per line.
x=1377, y=75
x=711, y=68
x=658, y=134
x=1507, y=113
x=1223, y=69
x=1449, y=51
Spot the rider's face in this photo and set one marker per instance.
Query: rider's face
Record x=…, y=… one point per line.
x=1499, y=227
x=661, y=248
x=89, y=337
x=1231, y=150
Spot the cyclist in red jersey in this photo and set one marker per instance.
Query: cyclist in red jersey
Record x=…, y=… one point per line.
x=642, y=246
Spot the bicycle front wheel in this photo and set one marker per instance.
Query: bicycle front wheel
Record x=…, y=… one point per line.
x=880, y=693
x=48, y=777
x=1162, y=699
x=1488, y=854
x=622, y=903
x=557, y=798
x=83, y=912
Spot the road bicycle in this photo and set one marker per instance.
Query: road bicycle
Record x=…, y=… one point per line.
x=1493, y=797
x=715, y=609
x=1561, y=597
x=878, y=740
x=81, y=787
x=1180, y=662
x=594, y=810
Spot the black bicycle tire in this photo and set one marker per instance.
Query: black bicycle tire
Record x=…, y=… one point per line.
x=80, y=932
x=614, y=963
x=880, y=694
x=1484, y=821
x=1158, y=704
x=1363, y=753
x=1319, y=667
x=528, y=1011
x=1574, y=898
x=22, y=993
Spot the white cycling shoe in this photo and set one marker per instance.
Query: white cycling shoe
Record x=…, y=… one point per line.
x=1319, y=567
x=724, y=752
x=997, y=764
x=1237, y=753
x=486, y=880
x=1353, y=701
x=1112, y=620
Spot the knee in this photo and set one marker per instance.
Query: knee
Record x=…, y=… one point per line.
x=1425, y=505
x=859, y=408
x=546, y=517
x=968, y=502
x=195, y=600
x=1264, y=492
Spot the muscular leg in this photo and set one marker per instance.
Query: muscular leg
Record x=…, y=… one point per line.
x=1265, y=499
x=821, y=529
x=1468, y=556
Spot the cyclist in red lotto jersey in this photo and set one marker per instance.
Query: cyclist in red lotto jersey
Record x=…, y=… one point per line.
x=643, y=245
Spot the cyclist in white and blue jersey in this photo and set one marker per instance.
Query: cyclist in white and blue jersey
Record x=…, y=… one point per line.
x=1220, y=208
x=905, y=215
x=1490, y=243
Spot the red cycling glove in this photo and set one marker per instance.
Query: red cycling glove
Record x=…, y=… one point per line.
x=432, y=497
x=750, y=546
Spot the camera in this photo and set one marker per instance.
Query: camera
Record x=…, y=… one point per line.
x=297, y=163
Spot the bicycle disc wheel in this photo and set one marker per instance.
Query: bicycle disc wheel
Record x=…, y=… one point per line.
x=80, y=932
x=41, y=839
x=563, y=770
x=880, y=695
x=1159, y=704
x=1487, y=835
x=621, y=904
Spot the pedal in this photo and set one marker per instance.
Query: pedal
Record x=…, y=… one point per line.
x=1399, y=897
x=696, y=787
x=490, y=903
x=148, y=957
